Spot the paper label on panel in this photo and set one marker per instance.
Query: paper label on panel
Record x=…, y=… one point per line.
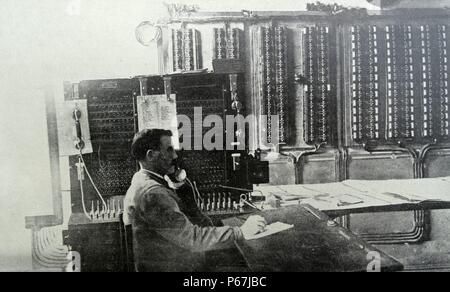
x=157, y=112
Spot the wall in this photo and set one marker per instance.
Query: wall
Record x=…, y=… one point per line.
x=42, y=44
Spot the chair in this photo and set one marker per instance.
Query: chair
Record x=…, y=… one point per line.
x=127, y=232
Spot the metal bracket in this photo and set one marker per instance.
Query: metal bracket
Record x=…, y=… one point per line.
x=143, y=86
x=168, y=87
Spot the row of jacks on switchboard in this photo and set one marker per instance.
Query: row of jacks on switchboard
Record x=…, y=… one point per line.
x=217, y=203
x=111, y=211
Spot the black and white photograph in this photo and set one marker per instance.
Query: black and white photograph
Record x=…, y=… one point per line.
x=224, y=140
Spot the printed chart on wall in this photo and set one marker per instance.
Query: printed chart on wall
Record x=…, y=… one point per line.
x=158, y=112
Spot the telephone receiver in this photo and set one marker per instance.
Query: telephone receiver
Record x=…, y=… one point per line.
x=76, y=115
x=178, y=178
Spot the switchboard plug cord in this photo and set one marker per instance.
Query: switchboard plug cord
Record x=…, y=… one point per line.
x=80, y=179
x=105, y=206
x=250, y=204
x=196, y=193
x=193, y=191
x=244, y=200
x=198, y=198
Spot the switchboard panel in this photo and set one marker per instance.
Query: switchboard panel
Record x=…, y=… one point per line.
x=186, y=50
x=399, y=82
x=320, y=96
x=204, y=95
x=228, y=43
x=113, y=121
x=111, y=107
x=220, y=176
x=275, y=81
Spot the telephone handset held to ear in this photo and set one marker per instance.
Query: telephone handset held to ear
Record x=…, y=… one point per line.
x=177, y=179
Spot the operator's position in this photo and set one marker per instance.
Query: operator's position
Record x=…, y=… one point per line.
x=164, y=237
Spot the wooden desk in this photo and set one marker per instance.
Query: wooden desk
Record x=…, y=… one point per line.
x=310, y=246
x=390, y=208
x=366, y=196
x=100, y=243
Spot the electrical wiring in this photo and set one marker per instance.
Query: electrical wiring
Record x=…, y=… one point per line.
x=92, y=181
x=196, y=194
x=197, y=197
x=82, y=196
x=251, y=205
x=244, y=190
x=193, y=191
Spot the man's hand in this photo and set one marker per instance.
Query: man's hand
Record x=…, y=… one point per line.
x=255, y=224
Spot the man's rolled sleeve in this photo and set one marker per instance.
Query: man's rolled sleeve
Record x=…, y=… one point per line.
x=163, y=215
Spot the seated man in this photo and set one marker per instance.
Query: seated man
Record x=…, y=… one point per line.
x=164, y=238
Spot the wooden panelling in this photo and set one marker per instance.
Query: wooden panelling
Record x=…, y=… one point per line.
x=319, y=168
x=379, y=166
x=437, y=163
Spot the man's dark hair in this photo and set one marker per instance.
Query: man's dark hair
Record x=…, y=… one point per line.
x=149, y=139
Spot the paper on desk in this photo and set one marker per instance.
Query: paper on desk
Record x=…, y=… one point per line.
x=272, y=229
x=355, y=194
